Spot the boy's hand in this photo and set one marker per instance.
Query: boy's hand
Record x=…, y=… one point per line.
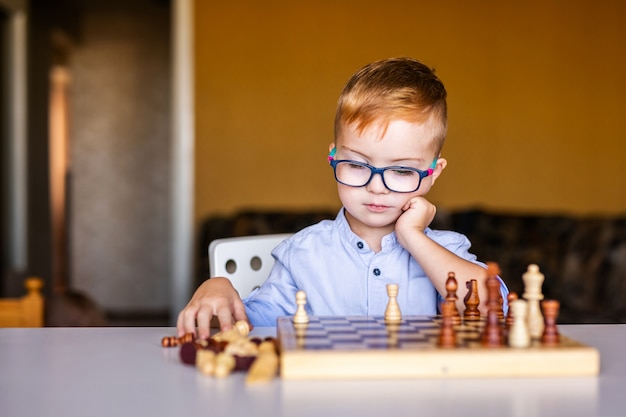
x=215, y=297
x=418, y=214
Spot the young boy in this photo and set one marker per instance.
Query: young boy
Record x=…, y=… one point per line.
x=390, y=126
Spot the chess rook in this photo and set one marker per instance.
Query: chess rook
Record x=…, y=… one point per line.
x=392, y=312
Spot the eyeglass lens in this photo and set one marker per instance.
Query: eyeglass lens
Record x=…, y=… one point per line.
x=357, y=175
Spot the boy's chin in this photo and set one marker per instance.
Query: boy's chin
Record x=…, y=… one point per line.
x=374, y=221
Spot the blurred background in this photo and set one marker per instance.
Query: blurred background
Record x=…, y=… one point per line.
x=128, y=125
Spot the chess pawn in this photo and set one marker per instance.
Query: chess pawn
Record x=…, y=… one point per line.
x=519, y=336
x=300, y=316
x=509, y=317
x=300, y=334
x=392, y=312
x=533, y=279
x=550, y=336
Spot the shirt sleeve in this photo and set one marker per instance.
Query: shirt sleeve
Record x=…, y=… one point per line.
x=459, y=244
x=276, y=297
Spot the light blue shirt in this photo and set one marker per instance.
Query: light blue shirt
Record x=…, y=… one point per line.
x=342, y=276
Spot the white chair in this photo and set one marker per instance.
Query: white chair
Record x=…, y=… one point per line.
x=246, y=261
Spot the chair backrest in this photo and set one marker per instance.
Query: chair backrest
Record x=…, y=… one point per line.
x=26, y=311
x=246, y=261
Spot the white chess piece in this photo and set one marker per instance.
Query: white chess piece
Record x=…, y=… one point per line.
x=392, y=312
x=519, y=335
x=301, y=316
x=533, y=279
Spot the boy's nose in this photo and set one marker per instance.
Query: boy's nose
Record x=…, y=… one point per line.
x=376, y=184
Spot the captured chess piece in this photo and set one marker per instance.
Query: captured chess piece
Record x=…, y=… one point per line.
x=533, y=279
x=451, y=287
x=301, y=316
x=471, y=301
x=392, y=312
x=550, y=336
x=519, y=336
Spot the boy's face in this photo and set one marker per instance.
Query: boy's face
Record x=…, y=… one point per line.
x=373, y=206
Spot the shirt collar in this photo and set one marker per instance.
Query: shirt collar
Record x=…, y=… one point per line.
x=389, y=241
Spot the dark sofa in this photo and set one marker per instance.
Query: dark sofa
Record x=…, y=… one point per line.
x=583, y=258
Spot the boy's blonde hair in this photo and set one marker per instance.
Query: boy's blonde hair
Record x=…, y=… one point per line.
x=395, y=88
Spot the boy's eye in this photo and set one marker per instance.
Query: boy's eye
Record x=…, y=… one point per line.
x=403, y=172
x=356, y=166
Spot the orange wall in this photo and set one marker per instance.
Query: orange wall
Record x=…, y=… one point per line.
x=536, y=98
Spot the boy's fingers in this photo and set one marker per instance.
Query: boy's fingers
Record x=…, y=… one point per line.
x=239, y=313
x=186, y=322
x=225, y=317
x=204, y=323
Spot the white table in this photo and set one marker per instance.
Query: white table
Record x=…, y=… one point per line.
x=112, y=372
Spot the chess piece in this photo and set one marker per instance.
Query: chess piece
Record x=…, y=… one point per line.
x=447, y=336
x=224, y=365
x=300, y=334
x=518, y=333
x=471, y=301
x=533, y=279
x=392, y=312
x=392, y=334
x=550, y=336
x=509, y=317
x=492, y=334
x=301, y=316
x=205, y=361
x=239, y=330
x=451, y=287
x=494, y=297
x=264, y=368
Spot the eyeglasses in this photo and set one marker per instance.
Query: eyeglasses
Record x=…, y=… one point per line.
x=396, y=178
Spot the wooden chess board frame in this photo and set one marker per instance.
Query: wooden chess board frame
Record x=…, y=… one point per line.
x=365, y=347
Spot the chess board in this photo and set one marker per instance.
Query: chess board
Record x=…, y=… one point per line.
x=365, y=347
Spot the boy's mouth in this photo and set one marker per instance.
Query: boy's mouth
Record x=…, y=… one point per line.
x=376, y=207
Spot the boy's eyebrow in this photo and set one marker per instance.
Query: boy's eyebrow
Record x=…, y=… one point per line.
x=395, y=161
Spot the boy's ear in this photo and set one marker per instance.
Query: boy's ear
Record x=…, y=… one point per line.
x=439, y=167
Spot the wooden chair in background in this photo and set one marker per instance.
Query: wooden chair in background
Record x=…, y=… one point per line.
x=26, y=311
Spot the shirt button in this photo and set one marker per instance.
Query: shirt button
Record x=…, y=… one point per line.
x=360, y=245
x=376, y=271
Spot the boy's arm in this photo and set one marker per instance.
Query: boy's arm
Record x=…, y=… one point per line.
x=216, y=297
x=435, y=260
